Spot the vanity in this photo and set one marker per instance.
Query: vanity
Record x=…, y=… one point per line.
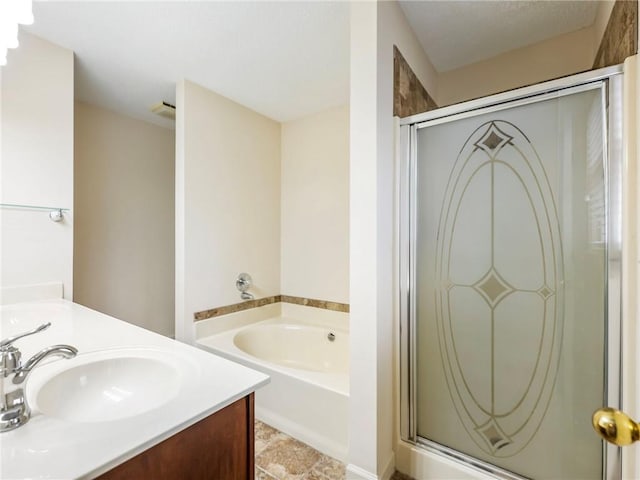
x=130, y=404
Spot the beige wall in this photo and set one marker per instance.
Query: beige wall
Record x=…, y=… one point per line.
x=315, y=206
x=36, y=163
x=227, y=202
x=124, y=229
x=603, y=13
x=559, y=56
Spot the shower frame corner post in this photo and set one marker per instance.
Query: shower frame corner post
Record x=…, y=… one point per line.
x=609, y=81
x=613, y=142
x=406, y=275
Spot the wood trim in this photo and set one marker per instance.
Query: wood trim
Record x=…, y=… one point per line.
x=251, y=442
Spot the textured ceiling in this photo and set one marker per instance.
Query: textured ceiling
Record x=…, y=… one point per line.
x=282, y=59
x=458, y=33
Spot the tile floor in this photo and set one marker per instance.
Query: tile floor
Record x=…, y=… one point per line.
x=281, y=457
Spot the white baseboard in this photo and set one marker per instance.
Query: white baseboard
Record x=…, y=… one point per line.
x=310, y=437
x=356, y=473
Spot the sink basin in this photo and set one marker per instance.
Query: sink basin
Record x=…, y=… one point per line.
x=106, y=386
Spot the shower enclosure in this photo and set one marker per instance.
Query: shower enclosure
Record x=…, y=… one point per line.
x=510, y=231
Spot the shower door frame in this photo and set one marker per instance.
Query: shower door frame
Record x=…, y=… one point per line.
x=610, y=82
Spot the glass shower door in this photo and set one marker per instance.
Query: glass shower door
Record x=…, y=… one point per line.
x=509, y=290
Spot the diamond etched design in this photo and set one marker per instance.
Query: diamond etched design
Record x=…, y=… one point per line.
x=493, y=287
x=493, y=139
x=545, y=292
x=494, y=435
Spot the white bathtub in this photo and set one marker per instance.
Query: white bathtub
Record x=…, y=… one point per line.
x=295, y=345
x=308, y=395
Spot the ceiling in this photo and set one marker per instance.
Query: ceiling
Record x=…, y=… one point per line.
x=284, y=59
x=457, y=33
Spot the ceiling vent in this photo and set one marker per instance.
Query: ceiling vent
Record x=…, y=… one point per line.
x=164, y=109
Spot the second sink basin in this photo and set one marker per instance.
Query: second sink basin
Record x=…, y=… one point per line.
x=107, y=385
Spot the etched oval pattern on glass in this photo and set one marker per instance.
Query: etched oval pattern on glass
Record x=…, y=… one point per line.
x=499, y=295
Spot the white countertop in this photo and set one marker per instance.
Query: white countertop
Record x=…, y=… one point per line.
x=48, y=447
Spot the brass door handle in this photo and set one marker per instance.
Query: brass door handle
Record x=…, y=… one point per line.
x=615, y=426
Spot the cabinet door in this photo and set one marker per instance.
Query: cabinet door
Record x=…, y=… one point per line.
x=219, y=447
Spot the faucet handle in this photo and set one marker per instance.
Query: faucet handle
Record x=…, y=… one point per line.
x=5, y=344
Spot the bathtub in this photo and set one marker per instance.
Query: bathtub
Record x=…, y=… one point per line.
x=305, y=352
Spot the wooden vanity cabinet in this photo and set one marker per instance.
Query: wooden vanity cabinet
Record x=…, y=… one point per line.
x=219, y=447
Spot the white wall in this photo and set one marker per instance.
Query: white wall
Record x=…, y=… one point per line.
x=124, y=218
x=375, y=28
x=315, y=206
x=363, y=378
x=227, y=202
x=37, y=163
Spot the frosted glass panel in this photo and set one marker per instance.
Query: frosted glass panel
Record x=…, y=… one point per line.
x=510, y=286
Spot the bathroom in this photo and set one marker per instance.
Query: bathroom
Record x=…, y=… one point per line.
x=285, y=243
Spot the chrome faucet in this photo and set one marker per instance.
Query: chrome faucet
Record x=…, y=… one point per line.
x=14, y=409
x=243, y=283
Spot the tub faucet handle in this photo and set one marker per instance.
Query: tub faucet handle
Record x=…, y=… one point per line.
x=243, y=283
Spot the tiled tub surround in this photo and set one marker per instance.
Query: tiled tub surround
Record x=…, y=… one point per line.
x=620, y=39
x=261, y=302
x=311, y=406
x=409, y=96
